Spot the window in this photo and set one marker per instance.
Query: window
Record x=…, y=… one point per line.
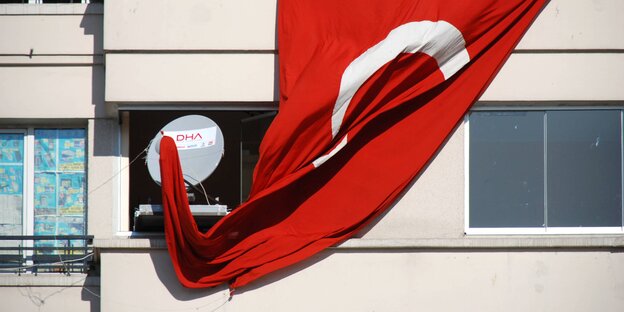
x=549, y=171
x=43, y=182
x=228, y=185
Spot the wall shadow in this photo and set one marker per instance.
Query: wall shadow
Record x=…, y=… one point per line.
x=166, y=274
x=283, y=273
x=92, y=24
x=91, y=292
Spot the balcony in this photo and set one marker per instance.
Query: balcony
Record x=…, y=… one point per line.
x=63, y=254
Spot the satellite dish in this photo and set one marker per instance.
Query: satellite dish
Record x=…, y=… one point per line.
x=200, y=146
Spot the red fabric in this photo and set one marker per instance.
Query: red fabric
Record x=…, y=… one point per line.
x=394, y=123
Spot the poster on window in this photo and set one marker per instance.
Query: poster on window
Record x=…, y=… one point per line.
x=11, y=163
x=45, y=225
x=11, y=179
x=45, y=149
x=11, y=148
x=71, y=150
x=70, y=225
x=71, y=193
x=45, y=194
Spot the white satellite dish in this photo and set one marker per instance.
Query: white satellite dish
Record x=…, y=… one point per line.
x=200, y=146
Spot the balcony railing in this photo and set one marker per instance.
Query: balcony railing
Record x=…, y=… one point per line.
x=46, y=253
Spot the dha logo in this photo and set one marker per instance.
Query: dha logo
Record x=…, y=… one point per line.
x=190, y=139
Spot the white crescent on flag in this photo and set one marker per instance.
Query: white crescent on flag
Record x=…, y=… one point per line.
x=440, y=40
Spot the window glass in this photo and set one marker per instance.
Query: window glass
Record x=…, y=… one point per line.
x=11, y=183
x=551, y=169
x=584, y=168
x=59, y=183
x=506, y=169
x=252, y=132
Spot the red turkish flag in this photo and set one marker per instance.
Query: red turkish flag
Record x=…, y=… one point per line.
x=369, y=90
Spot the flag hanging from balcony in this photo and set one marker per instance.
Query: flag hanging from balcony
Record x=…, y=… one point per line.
x=369, y=90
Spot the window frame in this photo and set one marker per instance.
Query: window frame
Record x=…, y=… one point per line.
x=536, y=230
x=28, y=214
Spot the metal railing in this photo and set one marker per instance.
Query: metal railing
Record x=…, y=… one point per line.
x=46, y=253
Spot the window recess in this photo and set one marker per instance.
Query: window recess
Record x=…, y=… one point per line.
x=544, y=171
x=228, y=185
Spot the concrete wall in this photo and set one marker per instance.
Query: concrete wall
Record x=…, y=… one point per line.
x=384, y=280
x=570, y=44
x=42, y=299
x=573, y=52
x=416, y=256
x=63, y=91
x=190, y=25
x=57, y=29
x=49, y=292
x=202, y=51
x=195, y=77
x=559, y=76
x=104, y=174
x=198, y=52
x=57, y=50
x=52, y=74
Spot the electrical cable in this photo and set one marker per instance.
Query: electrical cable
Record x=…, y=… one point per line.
x=120, y=170
x=208, y=197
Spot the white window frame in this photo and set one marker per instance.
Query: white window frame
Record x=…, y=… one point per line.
x=535, y=230
x=28, y=200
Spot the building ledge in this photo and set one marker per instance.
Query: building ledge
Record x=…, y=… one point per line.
x=524, y=242
x=502, y=242
x=51, y=60
x=48, y=279
x=52, y=9
x=131, y=243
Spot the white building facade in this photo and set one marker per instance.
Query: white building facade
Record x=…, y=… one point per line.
x=120, y=70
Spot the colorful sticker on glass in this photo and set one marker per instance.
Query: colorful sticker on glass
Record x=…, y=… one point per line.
x=73, y=225
x=11, y=148
x=71, y=149
x=11, y=163
x=45, y=194
x=45, y=225
x=71, y=193
x=45, y=149
x=11, y=180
